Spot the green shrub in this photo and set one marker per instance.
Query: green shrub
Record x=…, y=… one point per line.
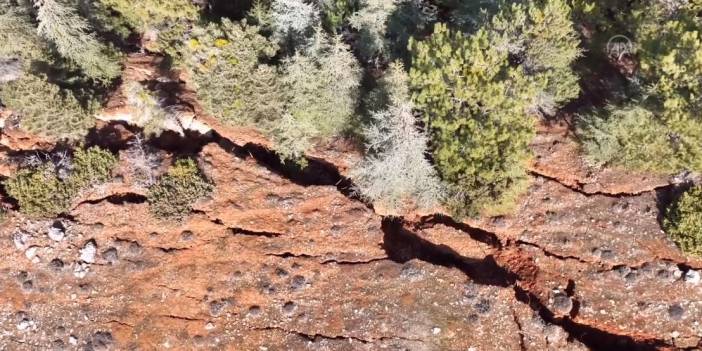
x=476, y=93
x=46, y=110
x=39, y=191
x=42, y=192
x=18, y=35
x=174, y=194
x=671, y=66
x=336, y=12
x=683, y=221
x=630, y=137
x=91, y=166
x=541, y=35
x=667, y=40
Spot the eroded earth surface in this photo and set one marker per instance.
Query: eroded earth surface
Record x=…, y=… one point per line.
x=283, y=259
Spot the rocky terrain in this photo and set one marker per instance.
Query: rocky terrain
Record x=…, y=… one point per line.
x=282, y=259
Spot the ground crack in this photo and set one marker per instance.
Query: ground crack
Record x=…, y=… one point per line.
x=505, y=269
x=117, y=199
x=313, y=337
x=548, y=253
x=579, y=188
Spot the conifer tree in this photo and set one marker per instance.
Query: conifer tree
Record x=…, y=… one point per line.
x=395, y=173
x=74, y=39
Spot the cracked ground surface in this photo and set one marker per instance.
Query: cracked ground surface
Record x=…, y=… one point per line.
x=278, y=259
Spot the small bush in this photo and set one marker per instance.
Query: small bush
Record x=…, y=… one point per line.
x=683, y=221
x=174, y=194
x=91, y=166
x=44, y=191
x=39, y=191
x=630, y=137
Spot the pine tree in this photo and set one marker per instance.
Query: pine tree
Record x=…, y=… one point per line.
x=474, y=105
x=371, y=22
x=293, y=22
x=395, y=174
x=322, y=88
x=541, y=35
x=74, y=39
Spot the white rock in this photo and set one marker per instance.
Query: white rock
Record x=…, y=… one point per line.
x=31, y=252
x=72, y=340
x=87, y=253
x=435, y=330
x=20, y=239
x=81, y=270
x=24, y=324
x=209, y=326
x=677, y=274
x=56, y=234
x=692, y=277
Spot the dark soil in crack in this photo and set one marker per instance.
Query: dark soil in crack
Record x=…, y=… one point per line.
x=593, y=338
x=403, y=245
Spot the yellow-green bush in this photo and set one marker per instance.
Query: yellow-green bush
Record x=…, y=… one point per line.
x=145, y=14
x=41, y=191
x=683, y=221
x=175, y=192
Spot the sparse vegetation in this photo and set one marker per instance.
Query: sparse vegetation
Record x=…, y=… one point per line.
x=173, y=195
x=149, y=113
x=456, y=128
x=683, y=222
